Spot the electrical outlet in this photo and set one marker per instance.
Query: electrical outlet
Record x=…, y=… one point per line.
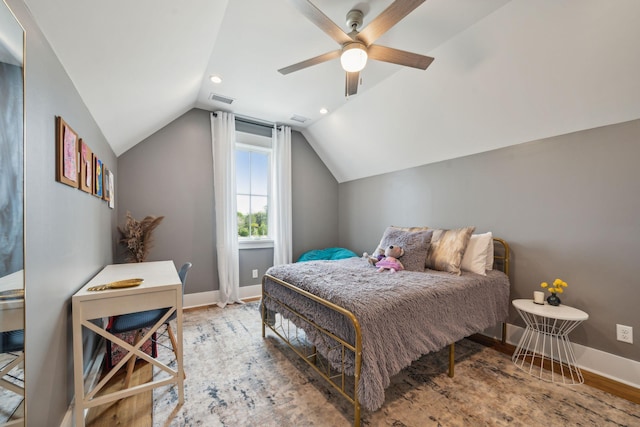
x=254, y=273
x=624, y=333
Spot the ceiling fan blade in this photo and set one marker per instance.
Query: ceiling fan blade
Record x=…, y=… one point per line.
x=311, y=61
x=400, y=57
x=351, y=83
x=387, y=19
x=321, y=20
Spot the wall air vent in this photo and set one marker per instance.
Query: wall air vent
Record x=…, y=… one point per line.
x=220, y=98
x=298, y=118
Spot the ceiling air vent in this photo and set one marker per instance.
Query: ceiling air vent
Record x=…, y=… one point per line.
x=220, y=98
x=298, y=118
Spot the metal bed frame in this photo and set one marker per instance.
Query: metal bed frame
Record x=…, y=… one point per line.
x=295, y=337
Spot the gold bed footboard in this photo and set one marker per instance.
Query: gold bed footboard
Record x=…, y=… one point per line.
x=295, y=337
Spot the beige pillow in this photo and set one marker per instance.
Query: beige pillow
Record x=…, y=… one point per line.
x=447, y=249
x=475, y=256
x=412, y=229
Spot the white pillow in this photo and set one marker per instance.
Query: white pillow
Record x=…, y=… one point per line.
x=475, y=256
x=490, y=255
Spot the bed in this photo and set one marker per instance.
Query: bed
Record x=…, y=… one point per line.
x=357, y=327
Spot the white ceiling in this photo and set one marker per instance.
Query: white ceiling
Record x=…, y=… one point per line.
x=505, y=72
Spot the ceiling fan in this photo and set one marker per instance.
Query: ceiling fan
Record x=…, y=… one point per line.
x=357, y=46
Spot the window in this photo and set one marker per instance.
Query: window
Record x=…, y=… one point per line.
x=253, y=160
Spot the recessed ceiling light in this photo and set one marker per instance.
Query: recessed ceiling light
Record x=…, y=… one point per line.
x=323, y=110
x=216, y=79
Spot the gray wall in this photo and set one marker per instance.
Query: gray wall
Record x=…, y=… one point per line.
x=170, y=173
x=68, y=232
x=314, y=199
x=568, y=206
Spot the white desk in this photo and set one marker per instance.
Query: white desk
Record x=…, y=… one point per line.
x=11, y=319
x=11, y=314
x=161, y=288
x=12, y=310
x=546, y=338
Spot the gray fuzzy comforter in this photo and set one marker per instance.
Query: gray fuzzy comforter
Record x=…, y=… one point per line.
x=402, y=315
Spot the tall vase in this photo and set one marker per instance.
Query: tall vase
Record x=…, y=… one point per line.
x=553, y=299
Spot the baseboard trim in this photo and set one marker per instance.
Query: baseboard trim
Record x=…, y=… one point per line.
x=67, y=421
x=203, y=299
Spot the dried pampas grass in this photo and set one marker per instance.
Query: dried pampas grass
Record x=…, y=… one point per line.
x=137, y=236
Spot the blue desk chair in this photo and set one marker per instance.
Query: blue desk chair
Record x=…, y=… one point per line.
x=144, y=319
x=12, y=342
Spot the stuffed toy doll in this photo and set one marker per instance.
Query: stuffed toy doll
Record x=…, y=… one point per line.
x=390, y=260
x=374, y=258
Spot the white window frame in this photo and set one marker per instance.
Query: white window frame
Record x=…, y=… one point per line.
x=260, y=144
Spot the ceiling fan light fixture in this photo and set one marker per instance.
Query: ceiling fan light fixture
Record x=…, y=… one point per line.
x=354, y=57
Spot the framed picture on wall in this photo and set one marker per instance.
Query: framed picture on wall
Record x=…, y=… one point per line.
x=97, y=181
x=111, y=186
x=86, y=167
x=67, y=154
x=106, y=192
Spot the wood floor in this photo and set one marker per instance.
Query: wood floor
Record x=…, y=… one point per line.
x=134, y=411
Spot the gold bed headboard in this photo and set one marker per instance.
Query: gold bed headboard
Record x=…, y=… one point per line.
x=501, y=254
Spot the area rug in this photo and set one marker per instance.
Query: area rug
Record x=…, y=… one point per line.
x=237, y=378
x=10, y=402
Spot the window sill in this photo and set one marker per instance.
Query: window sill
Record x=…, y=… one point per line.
x=255, y=244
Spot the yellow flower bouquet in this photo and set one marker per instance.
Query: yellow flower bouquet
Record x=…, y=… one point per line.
x=556, y=288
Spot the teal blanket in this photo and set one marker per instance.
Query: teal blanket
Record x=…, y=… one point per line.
x=327, y=253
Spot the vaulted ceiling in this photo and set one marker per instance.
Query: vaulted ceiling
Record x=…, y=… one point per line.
x=505, y=72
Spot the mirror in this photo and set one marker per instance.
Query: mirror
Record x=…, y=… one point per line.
x=12, y=405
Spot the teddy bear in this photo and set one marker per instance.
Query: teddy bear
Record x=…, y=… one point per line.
x=390, y=260
x=375, y=257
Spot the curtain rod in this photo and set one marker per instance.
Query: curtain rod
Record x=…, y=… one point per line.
x=253, y=121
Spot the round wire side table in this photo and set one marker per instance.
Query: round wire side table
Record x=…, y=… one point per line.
x=544, y=350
